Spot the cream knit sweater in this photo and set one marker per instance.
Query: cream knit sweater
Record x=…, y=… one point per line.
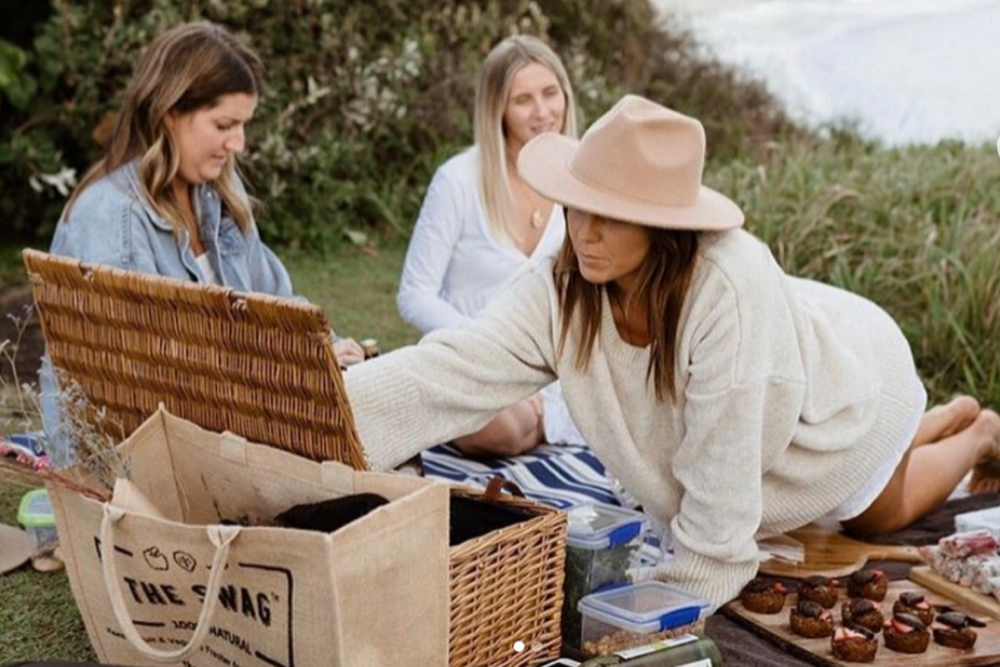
x=790, y=394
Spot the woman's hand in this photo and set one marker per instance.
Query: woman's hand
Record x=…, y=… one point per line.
x=348, y=351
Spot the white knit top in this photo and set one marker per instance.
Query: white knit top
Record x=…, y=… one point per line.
x=790, y=394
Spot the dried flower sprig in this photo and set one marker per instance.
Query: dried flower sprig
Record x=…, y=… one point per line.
x=32, y=475
x=84, y=456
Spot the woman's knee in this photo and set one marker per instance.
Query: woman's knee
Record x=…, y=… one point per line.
x=511, y=433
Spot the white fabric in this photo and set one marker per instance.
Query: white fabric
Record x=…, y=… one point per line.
x=790, y=394
x=454, y=267
x=206, y=269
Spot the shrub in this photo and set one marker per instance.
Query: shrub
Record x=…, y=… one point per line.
x=364, y=100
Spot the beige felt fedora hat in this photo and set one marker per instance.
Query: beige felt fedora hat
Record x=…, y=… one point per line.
x=15, y=548
x=640, y=162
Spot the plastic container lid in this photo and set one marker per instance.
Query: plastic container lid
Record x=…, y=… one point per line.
x=36, y=510
x=649, y=606
x=599, y=526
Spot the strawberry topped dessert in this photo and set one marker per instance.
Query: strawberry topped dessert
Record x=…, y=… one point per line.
x=871, y=584
x=905, y=633
x=764, y=596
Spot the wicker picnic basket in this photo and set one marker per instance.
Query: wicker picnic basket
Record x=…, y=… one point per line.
x=264, y=368
x=497, y=578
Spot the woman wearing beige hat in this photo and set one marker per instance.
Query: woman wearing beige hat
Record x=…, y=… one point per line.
x=733, y=401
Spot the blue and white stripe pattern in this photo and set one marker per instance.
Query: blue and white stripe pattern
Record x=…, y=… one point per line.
x=558, y=475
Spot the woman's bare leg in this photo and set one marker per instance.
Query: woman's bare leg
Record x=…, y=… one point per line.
x=514, y=431
x=929, y=472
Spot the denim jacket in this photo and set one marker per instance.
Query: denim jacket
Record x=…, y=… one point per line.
x=112, y=223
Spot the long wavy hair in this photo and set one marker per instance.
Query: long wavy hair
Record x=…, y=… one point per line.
x=663, y=282
x=184, y=69
x=505, y=60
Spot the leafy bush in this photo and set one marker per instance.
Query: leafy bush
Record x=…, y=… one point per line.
x=364, y=99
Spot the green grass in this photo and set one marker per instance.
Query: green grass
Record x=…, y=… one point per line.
x=356, y=289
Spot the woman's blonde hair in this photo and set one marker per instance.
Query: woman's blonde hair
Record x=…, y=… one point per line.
x=505, y=60
x=184, y=69
x=663, y=282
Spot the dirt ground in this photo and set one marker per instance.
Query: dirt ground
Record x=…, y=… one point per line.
x=15, y=313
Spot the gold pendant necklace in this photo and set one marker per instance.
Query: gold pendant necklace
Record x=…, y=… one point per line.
x=537, y=220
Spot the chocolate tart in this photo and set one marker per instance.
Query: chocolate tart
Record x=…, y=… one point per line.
x=954, y=630
x=915, y=604
x=905, y=633
x=859, y=611
x=764, y=596
x=809, y=619
x=853, y=644
x=870, y=584
x=819, y=589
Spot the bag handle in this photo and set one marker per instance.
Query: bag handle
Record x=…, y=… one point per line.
x=221, y=537
x=498, y=484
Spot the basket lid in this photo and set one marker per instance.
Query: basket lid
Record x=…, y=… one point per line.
x=257, y=365
x=599, y=526
x=35, y=510
x=649, y=606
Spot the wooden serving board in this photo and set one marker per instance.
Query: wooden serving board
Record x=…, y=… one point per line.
x=834, y=554
x=977, y=603
x=775, y=628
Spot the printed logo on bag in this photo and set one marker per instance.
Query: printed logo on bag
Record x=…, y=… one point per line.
x=252, y=622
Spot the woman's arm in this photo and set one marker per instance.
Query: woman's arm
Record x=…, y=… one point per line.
x=455, y=380
x=267, y=273
x=733, y=398
x=431, y=248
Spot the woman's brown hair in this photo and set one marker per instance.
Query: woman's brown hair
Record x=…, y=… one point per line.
x=663, y=281
x=184, y=69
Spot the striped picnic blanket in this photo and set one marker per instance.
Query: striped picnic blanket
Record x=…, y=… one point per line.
x=557, y=475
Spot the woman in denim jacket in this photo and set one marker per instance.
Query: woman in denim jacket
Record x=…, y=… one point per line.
x=166, y=198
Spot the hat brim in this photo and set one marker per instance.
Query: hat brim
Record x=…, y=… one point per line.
x=15, y=548
x=544, y=163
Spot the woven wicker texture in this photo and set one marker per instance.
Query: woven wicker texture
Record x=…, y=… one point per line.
x=507, y=586
x=264, y=368
x=252, y=364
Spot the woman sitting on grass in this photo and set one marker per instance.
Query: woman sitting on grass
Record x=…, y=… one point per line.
x=480, y=224
x=733, y=401
x=166, y=197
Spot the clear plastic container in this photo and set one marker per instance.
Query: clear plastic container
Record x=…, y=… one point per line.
x=638, y=614
x=601, y=545
x=35, y=514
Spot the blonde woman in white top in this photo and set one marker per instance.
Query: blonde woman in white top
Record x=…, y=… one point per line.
x=480, y=224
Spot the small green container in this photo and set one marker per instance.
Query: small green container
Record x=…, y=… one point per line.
x=35, y=514
x=601, y=543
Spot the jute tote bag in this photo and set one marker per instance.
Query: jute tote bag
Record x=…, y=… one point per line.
x=160, y=580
